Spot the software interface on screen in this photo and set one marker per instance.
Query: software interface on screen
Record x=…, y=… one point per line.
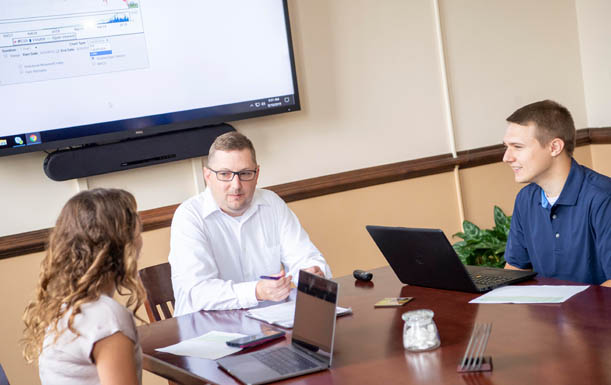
x=74, y=63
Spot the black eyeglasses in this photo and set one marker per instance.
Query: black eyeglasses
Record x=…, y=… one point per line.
x=227, y=175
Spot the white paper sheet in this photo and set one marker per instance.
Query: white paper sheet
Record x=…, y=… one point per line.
x=283, y=314
x=210, y=345
x=530, y=294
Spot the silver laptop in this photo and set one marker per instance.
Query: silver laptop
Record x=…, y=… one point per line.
x=311, y=346
x=424, y=257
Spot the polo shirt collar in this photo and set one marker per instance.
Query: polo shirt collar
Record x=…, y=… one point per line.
x=571, y=188
x=210, y=206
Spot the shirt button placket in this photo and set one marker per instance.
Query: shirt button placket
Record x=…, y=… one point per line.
x=556, y=231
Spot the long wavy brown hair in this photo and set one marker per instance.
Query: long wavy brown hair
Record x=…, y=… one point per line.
x=95, y=243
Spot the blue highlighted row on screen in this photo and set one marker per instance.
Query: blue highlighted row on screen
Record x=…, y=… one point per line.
x=100, y=53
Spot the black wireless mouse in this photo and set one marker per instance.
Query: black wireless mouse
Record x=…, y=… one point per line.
x=362, y=275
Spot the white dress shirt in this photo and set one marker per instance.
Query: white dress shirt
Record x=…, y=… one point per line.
x=217, y=259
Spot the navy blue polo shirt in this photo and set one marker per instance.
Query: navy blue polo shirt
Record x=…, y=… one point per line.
x=569, y=240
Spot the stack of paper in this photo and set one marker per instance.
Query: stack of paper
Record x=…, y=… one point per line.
x=210, y=345
x=283, y=314
x=530, y=294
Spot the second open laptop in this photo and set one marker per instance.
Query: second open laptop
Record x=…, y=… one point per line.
x=312, y=340
x=424, y=257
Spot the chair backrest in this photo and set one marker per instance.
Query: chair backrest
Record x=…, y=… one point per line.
x=157, y=281
x=3, y=379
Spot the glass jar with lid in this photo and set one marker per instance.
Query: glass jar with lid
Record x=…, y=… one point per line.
x=419, y=331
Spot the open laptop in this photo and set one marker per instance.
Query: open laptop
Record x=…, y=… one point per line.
x=424, y=257
x=311, y=346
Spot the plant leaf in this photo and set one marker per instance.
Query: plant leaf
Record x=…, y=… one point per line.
x=484, y=247
x=459, y=235
x=499, y=216
x=471, y=230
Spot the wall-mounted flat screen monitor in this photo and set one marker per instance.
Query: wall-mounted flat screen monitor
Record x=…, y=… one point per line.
x=78, y=72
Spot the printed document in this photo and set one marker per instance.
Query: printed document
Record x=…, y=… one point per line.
x=530, y=294
x=283, y=314
x=210, y=345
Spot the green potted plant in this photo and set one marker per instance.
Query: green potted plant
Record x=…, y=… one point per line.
x=484, y=247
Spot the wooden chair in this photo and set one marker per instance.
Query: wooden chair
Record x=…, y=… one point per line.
x=157, y=282
x=3, y=379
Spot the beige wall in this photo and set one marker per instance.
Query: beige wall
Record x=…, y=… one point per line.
x=594, y=41
x=484, y=187
x=505, y=54
x=336, y=222
x=601, y=158
x=370, y=80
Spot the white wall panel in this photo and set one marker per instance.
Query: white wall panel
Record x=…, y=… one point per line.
x=28, y=199
x=505, y=54
x=370, y=86
x=595, y=43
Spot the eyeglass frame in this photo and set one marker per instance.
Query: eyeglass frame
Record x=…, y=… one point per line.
x=234, y=173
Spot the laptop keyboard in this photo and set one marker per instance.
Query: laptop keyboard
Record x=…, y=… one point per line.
x=283, y=360
x=488, y=280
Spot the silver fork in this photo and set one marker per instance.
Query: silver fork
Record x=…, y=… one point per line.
x=474, y=355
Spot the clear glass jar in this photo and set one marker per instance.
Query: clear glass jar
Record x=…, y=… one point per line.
x=419, y=331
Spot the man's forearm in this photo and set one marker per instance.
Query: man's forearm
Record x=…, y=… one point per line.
x=511, y=267
x=215, y=294
x=607, y=283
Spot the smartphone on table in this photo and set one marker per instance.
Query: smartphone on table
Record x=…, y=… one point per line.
x=255, y=339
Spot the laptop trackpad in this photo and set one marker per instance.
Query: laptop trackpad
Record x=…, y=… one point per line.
x=248, y=369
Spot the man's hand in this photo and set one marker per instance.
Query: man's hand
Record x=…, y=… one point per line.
x=512, y=267
x=314, y=270
x=274, y=289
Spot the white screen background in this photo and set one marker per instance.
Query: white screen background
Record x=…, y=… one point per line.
x=200, y=53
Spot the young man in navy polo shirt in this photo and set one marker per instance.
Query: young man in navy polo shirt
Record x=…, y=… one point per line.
x=561, y=225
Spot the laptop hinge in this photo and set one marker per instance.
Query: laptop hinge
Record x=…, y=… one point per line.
x=317, y=356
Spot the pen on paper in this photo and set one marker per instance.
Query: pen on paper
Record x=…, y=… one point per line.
x=269, y=277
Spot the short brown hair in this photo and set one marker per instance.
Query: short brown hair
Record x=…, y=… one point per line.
x=552, y=120
x=232, y=141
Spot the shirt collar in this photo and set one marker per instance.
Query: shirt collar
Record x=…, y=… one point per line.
x=571, y=188
x=210, y=206
x=544, y=202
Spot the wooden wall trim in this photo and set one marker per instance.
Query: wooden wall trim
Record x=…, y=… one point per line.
x=343, y=181
x=34, y=241
x=600, y=135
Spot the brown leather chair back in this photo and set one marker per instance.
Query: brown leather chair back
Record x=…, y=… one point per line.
x=157, y=282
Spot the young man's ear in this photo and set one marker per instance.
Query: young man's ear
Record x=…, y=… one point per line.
x=556, y=146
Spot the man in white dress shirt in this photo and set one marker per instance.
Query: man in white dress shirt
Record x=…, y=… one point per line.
x=228, y=237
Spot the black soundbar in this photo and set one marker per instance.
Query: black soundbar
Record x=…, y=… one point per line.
x=101, y=159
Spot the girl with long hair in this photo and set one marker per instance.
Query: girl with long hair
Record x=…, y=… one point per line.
x=74, y=327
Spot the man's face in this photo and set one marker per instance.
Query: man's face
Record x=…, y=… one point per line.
x=529, y=160
x=233, y=197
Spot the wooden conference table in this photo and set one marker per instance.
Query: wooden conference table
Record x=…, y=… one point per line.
x=565, y=343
